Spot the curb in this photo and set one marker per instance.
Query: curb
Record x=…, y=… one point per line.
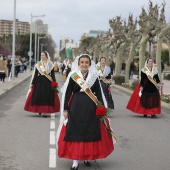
x=163, y=104
x=13, y=87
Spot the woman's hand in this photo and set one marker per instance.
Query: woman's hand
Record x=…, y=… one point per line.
x=140, y=92
x=65, y=115
x=141, y=88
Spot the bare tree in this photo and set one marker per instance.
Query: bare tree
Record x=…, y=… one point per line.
x=167, y=41
x=161, y=35
x=122, y=39
x=150, y=25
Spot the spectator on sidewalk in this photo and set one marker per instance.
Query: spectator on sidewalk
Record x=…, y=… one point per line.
x=32, y=64
x=25, y=64
x=162, y=66
x=9, y=66
x=123, y=67
x=112, y=67
x=6, y=70
x=131, y=71
x=17, y=67
x=2, y=68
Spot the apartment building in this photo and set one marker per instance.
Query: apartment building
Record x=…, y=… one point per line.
x=6, y=27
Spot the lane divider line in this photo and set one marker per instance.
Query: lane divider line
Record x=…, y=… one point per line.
x=52, y=137
x=52, y=151
x=52, y=158
x=52, y=124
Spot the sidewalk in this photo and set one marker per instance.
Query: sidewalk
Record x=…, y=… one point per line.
x=9, y=85
x=166, y=89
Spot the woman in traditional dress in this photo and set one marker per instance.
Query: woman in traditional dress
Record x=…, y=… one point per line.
x=67, y=66
x=146, y=97
x=42, y=98
x=105, y=80
x=81, y=135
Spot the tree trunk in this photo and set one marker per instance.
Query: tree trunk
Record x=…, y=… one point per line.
x=130, y=58
x=142, y=51
x=159, y=49
x=158, y=55
x=95, y=55
x=100, y=53
x=105, y=54
x=168, y=43
x=143, y=43
x=169, y=53
x=119, y=56
x=128, y=62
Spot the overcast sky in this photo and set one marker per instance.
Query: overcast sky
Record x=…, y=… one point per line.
x=71, y=18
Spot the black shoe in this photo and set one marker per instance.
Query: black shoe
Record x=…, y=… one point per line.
x=74, y=168
x=44, y=115
x=153, y=116
x=87, y=163
x=144, y=115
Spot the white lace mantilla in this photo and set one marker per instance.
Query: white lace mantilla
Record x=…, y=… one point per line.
x=49, y=66
x=152, y=72
x=106, y=70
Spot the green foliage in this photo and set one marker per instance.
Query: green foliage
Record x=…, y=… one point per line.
x=119, y=79
x=165, y=56
x=146, y=54
x=134, y=84
x=22, y=44
x=24, y=41
x=87, y=41
x=137, y=53
x=63, y=53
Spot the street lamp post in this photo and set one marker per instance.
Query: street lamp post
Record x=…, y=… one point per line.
x=38, y=50
x=35, y=48
x=13, y=41
x=42, y=46
x=30, y=52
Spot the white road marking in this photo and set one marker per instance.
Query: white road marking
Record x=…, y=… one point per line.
x=52, y=158
x=52, y=124
x=52, y=116
x=52, y=151
x=52, y=137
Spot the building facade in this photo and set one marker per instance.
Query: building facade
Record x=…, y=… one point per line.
x=6, y=27
x=64, y=42
x=93, y=33
x=39, y=27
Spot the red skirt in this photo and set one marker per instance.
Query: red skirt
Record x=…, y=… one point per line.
x=135, y=106
x=86, y=150
x=42, y=108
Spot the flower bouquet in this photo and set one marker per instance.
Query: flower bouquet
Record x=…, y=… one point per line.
x=110, y=82
x=160, y=87
x=54, y=86
x=102, y=112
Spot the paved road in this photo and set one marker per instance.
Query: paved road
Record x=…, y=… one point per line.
x=27, y=141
